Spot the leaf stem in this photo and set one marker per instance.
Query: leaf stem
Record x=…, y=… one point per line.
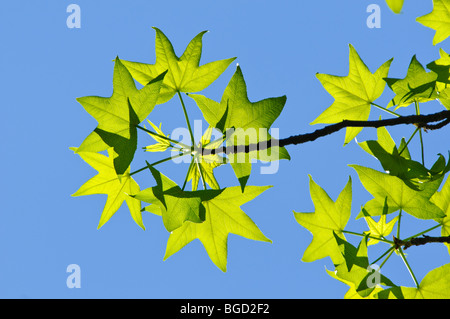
x=158, y=162
x=163, y=137
x=389, y=251
x=187, y=119
x=385, y=109
x=408, y=266
x=372, y=237
x=409, y=140
x=199, y=167
x=187, y=174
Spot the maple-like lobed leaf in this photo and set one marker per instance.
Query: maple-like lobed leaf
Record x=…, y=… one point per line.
x=108, y=182
x=438, y=19
x=353, y=93
x=328, y=219
x=393, y=192
x=379, y=229
x=355, y=270
x=417, y=86
x=396, y=161
x=175, y=205
x=185, y=74
x=162, y=144
x=202, y=166
x=248, y=121
x=223, y=216
x=118, y=115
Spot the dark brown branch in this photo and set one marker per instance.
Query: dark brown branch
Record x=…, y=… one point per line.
x=422, y=121
x=420, y=241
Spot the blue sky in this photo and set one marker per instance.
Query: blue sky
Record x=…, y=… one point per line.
x=280, y=46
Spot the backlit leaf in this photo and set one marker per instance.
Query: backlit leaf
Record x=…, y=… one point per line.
x=438, y=19
x=222, y=217
x=249, y=121
x=392, y=191
x=185, y=74
x=107, y=182
x=353, y=93
x=418, y=86
x=118, y=115
x=329, y=217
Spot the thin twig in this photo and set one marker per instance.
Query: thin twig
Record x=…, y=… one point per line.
x=418, y=241
x=421, y=121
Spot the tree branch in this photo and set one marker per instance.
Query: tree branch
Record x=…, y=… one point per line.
x=422, y=121
x=417, y=241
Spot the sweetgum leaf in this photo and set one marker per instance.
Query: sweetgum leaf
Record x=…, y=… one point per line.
x=107, y=182
x=435, y=285
x=418, y=86
x=175, y=205
x=354, y=271
x=203, y=166
x=250, y=120
x=118, y=115
x=353, y=93
x=161, y=144
x=413, y=173
x=222, y=217
x=438, y=19
x=393, y=192
x=184, y=73
x=379, y=229
x=329, y=217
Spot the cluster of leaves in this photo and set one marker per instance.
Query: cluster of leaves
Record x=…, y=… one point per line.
x=209, y=214
x=403, y=186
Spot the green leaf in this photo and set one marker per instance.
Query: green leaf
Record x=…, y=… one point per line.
x=118, y=115
x=442, y=200
x=329, y=217
x=162, y=144
x=418, y=86
x=250, y=120
x=435, y=285
x=353, y=93
x=175, y=205
x=379, y=229
x=184, y=74
x=355, y=270
x=438, y=19
x=395, y=5
x=107, y=182
x=396, y=194
x=203, y=165
x=222, y=217
x=413, y=173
